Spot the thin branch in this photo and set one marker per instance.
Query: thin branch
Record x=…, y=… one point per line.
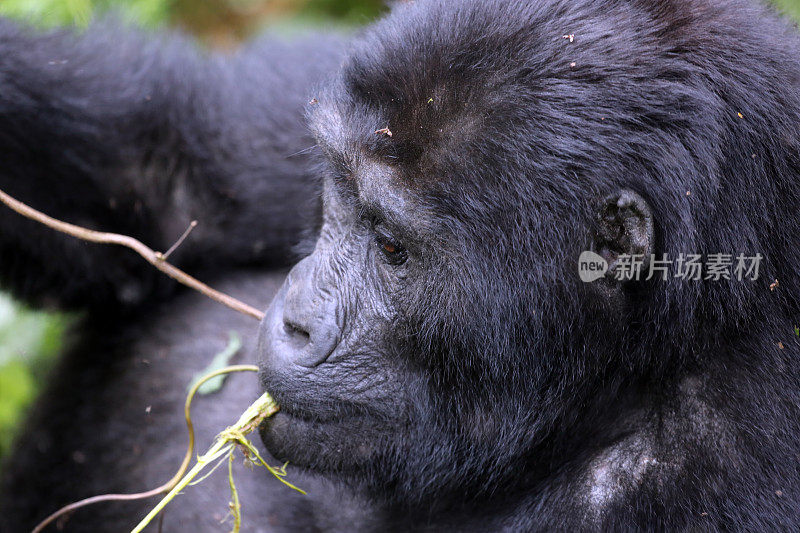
x=154, y=258
x=182, y=238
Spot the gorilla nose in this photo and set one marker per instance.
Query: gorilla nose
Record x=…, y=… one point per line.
x=300, y=327
x=309, y=327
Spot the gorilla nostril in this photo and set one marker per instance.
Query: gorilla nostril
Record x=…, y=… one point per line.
x=296, y=333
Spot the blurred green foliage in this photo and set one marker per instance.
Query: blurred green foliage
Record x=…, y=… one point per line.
x=80, y=12
x=29, y=343
x=350, y=11
x=17, y=389
x=219, y=22
x=790, y=7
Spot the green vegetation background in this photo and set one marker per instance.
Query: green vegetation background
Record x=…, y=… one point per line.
x=30, y=340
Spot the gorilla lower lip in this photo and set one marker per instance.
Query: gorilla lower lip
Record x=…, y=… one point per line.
x=276, y=434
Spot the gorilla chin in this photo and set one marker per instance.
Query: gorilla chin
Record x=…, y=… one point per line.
x=322, y=447
x=292, y=439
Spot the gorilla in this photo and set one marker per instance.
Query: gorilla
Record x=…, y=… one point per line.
x=439, y=362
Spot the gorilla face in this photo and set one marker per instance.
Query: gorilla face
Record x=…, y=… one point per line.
x=329, y=341
x=438, y=340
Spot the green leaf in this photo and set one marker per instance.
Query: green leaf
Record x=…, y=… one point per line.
x=221, y=360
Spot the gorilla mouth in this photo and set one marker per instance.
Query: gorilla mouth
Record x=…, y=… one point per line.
x=273, y=432
x=319, y=445
x=295, y=439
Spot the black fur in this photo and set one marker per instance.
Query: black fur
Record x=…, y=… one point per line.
x=475, y=383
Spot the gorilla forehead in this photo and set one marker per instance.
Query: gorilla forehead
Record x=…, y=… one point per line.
x=573, y=115
x=431, y=88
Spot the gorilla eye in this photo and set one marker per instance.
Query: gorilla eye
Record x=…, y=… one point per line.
x=393, y=251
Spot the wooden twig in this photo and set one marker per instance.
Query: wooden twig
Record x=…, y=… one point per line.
x=156, y=259
x=182, y=238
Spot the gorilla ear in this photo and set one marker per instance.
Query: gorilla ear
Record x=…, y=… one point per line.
x=624, y=227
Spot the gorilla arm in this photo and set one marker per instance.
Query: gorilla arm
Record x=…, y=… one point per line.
x=139, y=134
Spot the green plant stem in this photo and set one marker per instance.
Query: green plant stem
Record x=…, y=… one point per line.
x=219, y=449
x=187, y=458
x=225, y=442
